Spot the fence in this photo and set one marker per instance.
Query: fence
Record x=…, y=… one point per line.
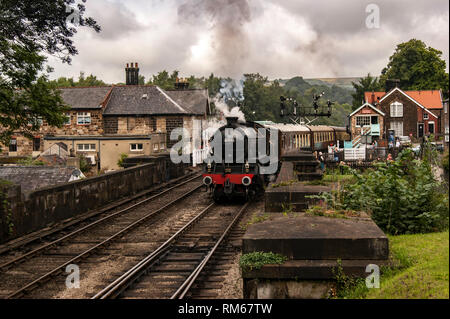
x=198, y=156
x=352, y=154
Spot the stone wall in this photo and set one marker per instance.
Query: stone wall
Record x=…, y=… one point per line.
x=27, y=213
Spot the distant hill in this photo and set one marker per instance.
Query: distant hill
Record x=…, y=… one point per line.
x=297, y=86
x=345, y=82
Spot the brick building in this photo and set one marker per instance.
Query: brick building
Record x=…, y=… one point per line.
x=408, y=113
x=104, y=122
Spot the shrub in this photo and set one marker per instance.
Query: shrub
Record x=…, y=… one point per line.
x=85, y=164
x=402, y=196
x=258, y=259
x=123, y=156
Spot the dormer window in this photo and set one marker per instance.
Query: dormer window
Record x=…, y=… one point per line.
x=396, y=109
x=425, y=116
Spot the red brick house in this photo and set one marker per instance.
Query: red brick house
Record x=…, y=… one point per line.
x=415, y=113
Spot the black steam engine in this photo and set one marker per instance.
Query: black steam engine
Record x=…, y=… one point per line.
x=238, y=171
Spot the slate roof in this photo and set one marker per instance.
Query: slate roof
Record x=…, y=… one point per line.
x=85, y=97
x=194, y=101
x=34, y=177
x=152, y=100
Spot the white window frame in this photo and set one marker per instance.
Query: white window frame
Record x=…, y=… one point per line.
x=367, y=118
x=155, y=147
x=396, y=109
x=162, y=146
x=396, y=127
x=83, y=118
x=425, y=116
x=136, y=147
x=86, y=147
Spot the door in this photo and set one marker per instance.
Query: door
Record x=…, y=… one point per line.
x=420, y=130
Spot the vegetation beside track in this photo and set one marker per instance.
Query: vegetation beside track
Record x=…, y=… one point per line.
x=421, y=272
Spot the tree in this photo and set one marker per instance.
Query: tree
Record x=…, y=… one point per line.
x=365, y=84
x=417, y=66
x=28, y=29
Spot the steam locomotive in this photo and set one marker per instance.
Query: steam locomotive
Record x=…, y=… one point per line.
x=244, y=175
x=239, y=172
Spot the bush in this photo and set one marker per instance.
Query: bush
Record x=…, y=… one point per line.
x=123, y=156
x=445, y=162
x=85, y=164
x=402, y=196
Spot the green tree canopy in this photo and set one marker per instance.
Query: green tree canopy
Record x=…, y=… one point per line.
x=366, y=84
x=28, y=30
x=417, y=66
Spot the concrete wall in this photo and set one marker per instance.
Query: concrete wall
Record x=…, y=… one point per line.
x=24, y=214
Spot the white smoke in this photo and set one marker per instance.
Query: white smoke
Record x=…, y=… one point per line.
x=231, y=91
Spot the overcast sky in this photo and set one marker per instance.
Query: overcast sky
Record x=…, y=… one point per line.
x=277, y=38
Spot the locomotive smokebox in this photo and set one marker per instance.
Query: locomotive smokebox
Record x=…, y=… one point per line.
x=231, y=120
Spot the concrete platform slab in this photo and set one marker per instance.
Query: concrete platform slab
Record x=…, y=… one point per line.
x=318, y=238
x=276, y=197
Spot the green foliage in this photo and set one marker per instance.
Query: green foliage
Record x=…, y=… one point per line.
x=287, y=208
x=420, y=270
x=365, y=84
x=255, y=219
x=5, y=207
x=30, y=162
x=445, y=162
x=83, y=81
x=258, y=259
x=29, y=29
x=123, y=156
x=344, y=283
x=402, y=196
x=85, y=165
x=418, y=67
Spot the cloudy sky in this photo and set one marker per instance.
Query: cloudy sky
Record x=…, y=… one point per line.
x=277, y=38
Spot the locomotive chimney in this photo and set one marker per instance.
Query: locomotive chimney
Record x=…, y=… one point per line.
x=132, y=74
x=231, y=120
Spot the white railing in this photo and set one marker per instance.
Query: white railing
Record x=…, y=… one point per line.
x=351, y=154
x=198, y=156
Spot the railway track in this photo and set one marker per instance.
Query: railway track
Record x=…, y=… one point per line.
x=95, y=236
x=175, y=269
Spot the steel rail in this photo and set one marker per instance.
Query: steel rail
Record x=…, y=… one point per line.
x=59, y=268
x=186, y=285
x=114, y=289
x=84, y=228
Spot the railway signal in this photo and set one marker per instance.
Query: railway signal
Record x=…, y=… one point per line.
x=298, y=112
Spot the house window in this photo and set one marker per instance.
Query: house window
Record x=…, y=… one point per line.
x=83, y=118
x=36, y=144
x=136, y=147
x=67, y=122
x=162, y=146
x=397, y=126
x=13, y=145
x=445, y=108
x=86, y=147
x=425, y=116
x=155, y=147
x=396, y=109
x=431, y=127
x=374, y=120
x=362, y=120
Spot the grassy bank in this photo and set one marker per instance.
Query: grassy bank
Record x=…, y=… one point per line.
x=423, y=272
